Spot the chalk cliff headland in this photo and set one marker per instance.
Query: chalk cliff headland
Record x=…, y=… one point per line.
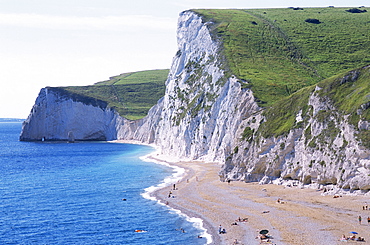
x=210, y=112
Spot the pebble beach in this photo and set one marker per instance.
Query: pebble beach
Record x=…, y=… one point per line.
x=292, y=215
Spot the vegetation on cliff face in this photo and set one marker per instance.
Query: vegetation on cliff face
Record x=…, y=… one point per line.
x=277, y=52
x=130, y=94
x=281, y=117
x=348, y=92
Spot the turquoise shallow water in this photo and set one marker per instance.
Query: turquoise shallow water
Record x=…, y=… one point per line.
x=60, y=193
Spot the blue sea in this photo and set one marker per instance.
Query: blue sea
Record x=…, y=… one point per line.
x=83, y=193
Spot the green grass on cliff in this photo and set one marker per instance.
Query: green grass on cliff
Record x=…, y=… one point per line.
x=151, y=76
x=282, y=56
x=278, y=52
x=275, y=50
x=349, y=92
x=131, y=94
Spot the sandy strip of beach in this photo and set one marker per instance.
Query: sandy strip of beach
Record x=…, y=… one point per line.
x=303, y=216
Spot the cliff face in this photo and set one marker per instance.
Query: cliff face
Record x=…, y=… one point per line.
x=207, y=115
x=58, y=115
x=200, y=113
x=202, y=107
x=323, y=146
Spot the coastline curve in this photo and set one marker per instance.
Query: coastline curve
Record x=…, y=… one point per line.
x=179, y=174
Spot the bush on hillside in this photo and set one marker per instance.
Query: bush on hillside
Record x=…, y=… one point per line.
x=356, y=11
x=313, y=21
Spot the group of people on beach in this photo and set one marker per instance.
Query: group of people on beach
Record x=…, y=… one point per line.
x=242, y=219
x=239, y=220
x=221, y=230
x=280, y=201
x=170, y=192
x=352, y=238
x=360, y=220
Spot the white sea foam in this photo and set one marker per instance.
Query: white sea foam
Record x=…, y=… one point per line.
x=197, y=223
x=173, y=179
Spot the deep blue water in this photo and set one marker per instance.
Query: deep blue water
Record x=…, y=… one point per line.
x=60, y=193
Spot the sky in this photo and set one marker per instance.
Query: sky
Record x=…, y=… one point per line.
x=81, y=42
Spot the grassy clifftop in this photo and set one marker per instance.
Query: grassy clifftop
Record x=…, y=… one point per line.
x=131, y=94
x=275, y=52
x=279, y=51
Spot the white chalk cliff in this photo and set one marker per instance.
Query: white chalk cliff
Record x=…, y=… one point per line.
x=58, y=116
x=202, y=117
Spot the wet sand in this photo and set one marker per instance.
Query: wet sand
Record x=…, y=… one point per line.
x=303, y=216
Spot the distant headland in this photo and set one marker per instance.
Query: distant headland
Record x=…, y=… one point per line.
x=11, y=120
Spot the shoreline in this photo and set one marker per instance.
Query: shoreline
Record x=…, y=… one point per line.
x=180, y=172
x=302, y=215
x=155, y=193
x=183, y=187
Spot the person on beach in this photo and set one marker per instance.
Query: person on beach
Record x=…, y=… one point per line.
x=368, y=220
x=359, y=219
x=242, y=219
x=221, y=230
x=263, y=237
x=174, y=186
